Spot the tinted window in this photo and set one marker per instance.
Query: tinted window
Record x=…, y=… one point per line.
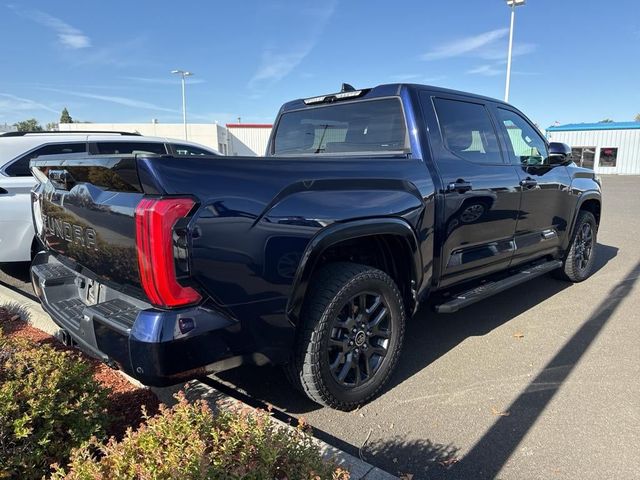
x=190, y=150
x=467, y=130
x=110, y=148
x=20, y=168
x=527, y=145
x=357, y=127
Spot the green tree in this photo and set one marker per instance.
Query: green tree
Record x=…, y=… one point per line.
x=637, y=118
x=51, y=126
x=30, y=125
x=606, y=120
x=65, y=117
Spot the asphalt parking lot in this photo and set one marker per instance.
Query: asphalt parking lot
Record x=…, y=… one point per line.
x=538, y=382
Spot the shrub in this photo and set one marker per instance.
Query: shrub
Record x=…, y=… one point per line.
x=189, y=442
x=49, y=404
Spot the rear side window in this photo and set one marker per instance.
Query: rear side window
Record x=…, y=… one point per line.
x=111, y=148
x=20, y=168
x=375, y=126
x=467, y=130
x=190, y=150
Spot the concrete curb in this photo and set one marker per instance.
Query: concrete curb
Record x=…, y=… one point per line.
x=33, y=313
x=196, y=390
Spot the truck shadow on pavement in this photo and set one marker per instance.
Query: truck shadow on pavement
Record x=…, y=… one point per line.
x=427, y=338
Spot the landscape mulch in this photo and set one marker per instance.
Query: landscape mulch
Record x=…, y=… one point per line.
x=125, y=398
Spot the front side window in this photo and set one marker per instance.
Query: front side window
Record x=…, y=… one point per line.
x=20, y=168
x=467, y=130
x=608, y=157
x=374, y=126
x=526, y=144
x=117, y=148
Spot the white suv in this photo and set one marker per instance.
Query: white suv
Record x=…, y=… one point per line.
x=17, y=239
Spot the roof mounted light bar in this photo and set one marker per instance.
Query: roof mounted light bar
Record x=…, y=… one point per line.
x=346, y=92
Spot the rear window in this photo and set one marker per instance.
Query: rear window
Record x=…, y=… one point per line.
x=374, y=126
x=117, y=148
x=20, y=168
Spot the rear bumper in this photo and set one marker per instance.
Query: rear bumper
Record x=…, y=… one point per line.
x=157, y=347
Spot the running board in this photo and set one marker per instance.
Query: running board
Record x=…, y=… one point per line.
x=486, y=290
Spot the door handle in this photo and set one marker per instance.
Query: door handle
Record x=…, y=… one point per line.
x=2, y=191
x=529, y=183
x=459, y=186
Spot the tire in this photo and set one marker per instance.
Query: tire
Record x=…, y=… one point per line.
x=580, y=259
x=344, y=357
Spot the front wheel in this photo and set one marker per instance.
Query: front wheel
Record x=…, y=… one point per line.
x=352, y=327
x=579, y=262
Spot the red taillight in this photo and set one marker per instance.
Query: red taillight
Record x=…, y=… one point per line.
x=155, y=219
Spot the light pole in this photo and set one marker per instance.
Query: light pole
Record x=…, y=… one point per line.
x=183, y=74
x=513, y=4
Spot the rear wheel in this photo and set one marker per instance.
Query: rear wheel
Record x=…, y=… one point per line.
x=351, y=335
x=579, y=262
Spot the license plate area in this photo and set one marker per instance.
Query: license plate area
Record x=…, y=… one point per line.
x=92, y=292
x=88, y=290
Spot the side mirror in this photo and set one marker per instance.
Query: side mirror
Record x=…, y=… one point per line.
x=559, y=153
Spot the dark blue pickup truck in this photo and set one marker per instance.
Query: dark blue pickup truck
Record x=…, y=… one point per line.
x=367, y=203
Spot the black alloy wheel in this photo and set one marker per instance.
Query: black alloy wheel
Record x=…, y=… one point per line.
x=579, y=262
x=584, y=246
x=359, y=339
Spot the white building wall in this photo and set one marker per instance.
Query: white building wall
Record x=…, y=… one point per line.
x=237, y=139
x=248, y=139
x=203, y=133
x=626, y=141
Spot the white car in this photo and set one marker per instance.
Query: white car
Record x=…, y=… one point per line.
x=17, y=240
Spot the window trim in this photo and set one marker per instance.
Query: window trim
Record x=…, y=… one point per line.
x=4, y=168
x=505, y=135
x=472, y=101
x=406, y=152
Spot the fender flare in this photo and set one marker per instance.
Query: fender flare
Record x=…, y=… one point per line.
x=588, y=195
x=339, y=232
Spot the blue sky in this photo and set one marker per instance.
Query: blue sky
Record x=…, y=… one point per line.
x=574, y=61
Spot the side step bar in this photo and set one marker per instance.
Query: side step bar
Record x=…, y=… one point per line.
x=486, y=290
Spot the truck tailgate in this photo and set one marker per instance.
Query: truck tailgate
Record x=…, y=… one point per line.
x=84, y=210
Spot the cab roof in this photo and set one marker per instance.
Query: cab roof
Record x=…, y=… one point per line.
x=385, y=90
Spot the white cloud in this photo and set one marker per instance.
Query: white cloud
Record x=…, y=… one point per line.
x=171, y=80
x=498, y=68
x=275, y=66
x=405, y=77
x=124, y=101
x=499, y=52
x=277, y=63
x=465, y=45
x=417, y=78
x=13, y=104
x=486, y=70
x=68, y=36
